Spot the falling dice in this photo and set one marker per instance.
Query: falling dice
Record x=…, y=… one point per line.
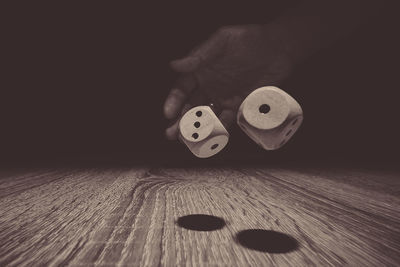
x=270, y=117
x=202, y=132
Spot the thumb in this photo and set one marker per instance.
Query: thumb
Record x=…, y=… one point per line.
x=202, y=55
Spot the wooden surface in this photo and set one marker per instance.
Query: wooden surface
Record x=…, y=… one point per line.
x=128, y=217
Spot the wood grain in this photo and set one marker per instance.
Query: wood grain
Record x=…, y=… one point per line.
x=127, y=217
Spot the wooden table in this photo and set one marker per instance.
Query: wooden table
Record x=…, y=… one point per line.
x=159, y=216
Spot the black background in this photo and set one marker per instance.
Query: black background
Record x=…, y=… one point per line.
x=85, y=81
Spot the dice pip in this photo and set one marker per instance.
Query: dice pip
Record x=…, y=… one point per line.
x=202, y=132
x=270, y=117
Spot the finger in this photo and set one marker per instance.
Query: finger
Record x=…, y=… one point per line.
x=172, y=132
x=201, y=55
x=178, y=96
x=232, y=103
x=227, y=117
x=186, y=64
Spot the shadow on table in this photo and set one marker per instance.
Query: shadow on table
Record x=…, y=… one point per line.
x=201, y=222
x=266, y=241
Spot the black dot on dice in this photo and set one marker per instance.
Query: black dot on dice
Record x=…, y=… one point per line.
x=264, y=108
x=195, y=135
x=199, y=113
x=197, y=124
x=214, y=146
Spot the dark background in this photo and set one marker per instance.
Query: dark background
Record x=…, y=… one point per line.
x=86, y=82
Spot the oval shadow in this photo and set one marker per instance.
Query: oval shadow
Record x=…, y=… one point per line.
x=267, y=241
x=201, y=222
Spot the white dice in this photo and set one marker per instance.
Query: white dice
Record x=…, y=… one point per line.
x=202, y=132
x=270, y=117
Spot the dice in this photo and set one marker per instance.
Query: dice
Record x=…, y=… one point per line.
x=202, y=132
x=270, y=117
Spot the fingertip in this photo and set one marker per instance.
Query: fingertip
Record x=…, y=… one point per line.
x=173, y=103
x=169, y=111
x=171, y=133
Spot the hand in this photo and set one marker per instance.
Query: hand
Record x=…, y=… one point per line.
x=225, y=69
